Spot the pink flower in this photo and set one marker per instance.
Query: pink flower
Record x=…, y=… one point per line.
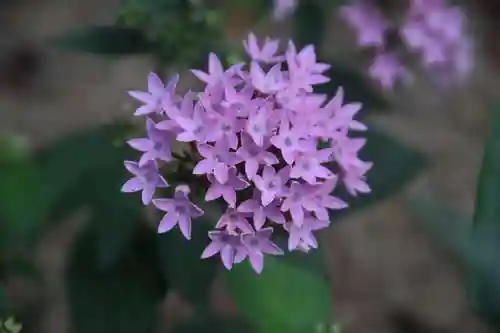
x=179, y=211
x=257, y=244
x=228, y=245
x=226, y=190
x=251, y=128
x=146, y=179
x=261, y=213
x=156, y=146
x=369, y=23
x=432, y=29
x=302, y=236
x=266, y=54
x=155, y=96
x=386, y=68
x=253, y=155
x=218, y=160
x=282, y=8
x=271, y=183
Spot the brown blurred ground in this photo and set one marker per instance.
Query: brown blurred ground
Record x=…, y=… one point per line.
x=385, y=269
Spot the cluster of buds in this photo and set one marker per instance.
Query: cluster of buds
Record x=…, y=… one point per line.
x=261, y=144
x=432, y=29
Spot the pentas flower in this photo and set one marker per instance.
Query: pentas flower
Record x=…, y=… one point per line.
x=262, y=148
x=283, y=8
x=266, y=54
x=387, y=69
x=369, y=23
x=432, y=29
x=179, y=212
x=146, y=179
x=156, y=146
x=157, y=95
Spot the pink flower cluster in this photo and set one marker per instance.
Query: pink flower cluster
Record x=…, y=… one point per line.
x=264, y=144
x=432, y=29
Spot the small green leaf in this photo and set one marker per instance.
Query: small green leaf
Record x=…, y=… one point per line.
x=284, y=298
x=105, y=40
x=309, y=23
x=187, y=273
x=484, y=269
x=122, y=298
x=357, y=87
x=394, y=165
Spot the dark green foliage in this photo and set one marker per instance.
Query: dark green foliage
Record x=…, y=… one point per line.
x=484, y=267
x=3, y=301
x=186, y=272
x=86, y=170
x=23, y=203
x=104, y=40
x=284, y=298
x=183, y=31
x=123, y=297
x=309, y=23
x=208, y=323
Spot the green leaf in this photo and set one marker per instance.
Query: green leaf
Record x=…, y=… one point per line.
x=313, y=261
x=487, y=212
x=394, y=166
x=24, y=204
x=115, y=215
x=309, y=22
x=105, y=40
x=484, y=269
x=122, y=298
x=204, y=323
x=357, y=87
x=94, y=182
x=187, y=273
x=284, y=298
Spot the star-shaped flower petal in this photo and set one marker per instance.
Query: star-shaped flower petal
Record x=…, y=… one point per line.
x=156, y=146
x=180, y=210
x=271, y=183
x=228, y=245
x=157, y=92
x=260, y=212
x=218, y=160
x=386, y=68
x=146, y=179
x=253, y=155
x=266, y=54
x=302, y=236
x=226, y=190
x=257, y=244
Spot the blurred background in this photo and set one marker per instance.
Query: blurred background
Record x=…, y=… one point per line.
x=389, y=273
